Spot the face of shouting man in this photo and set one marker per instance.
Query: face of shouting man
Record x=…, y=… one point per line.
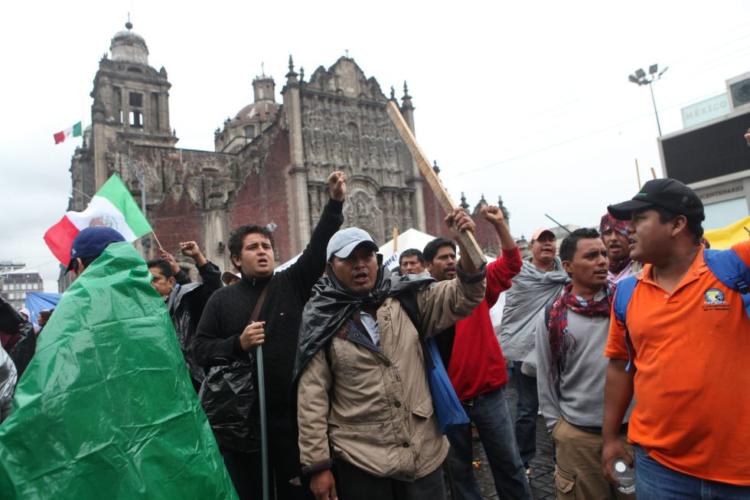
x=256, y=259
x=359, y=271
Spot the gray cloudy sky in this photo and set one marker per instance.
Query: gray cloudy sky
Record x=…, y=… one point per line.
x=528, y=100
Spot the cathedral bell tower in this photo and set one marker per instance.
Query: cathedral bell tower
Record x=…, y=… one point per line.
x=131, y=103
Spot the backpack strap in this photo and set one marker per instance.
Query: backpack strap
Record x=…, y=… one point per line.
x=731, y=271
x=623, y=294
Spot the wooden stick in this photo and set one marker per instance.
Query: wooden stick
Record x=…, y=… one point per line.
x=653, y=173
x=638, y=174
x=395, y=239
x=467, y=240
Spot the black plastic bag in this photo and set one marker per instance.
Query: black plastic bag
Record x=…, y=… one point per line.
x=229, y=398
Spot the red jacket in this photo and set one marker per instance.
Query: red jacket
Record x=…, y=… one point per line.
x=477, y=365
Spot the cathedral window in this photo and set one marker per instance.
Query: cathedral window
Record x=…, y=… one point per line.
x=136, y=100
x=136, y=119
x=136, y=115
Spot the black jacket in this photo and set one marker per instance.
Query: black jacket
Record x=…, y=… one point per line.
x=227, y=313
x=185, y=304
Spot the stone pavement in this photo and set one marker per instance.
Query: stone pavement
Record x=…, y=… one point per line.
x=542, y=466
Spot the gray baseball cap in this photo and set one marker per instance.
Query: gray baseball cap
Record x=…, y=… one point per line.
x=343, y=243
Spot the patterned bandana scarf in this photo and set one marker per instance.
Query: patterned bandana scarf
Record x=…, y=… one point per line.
x=607, y=224
x=557, y=323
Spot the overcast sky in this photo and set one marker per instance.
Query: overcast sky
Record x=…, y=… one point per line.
x=528, y=100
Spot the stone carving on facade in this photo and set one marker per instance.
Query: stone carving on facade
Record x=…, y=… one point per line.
x=361, y=210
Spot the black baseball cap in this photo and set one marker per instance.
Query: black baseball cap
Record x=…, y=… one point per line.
x=669, y=194
x=91, y=242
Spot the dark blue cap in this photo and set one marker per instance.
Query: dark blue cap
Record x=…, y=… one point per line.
x=91, y=242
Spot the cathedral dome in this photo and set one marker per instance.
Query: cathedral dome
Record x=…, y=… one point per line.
x=128, y=46
x=261, y=111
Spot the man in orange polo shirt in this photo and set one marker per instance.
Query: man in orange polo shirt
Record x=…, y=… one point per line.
x=681, y=346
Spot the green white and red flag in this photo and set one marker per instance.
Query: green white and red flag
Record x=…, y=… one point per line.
x=112, y=206
x=74, y=131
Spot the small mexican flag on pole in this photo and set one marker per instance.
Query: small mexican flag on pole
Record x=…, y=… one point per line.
x=74, y=131
x=112, y=206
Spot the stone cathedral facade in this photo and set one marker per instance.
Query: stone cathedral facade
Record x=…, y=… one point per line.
x=270, y=162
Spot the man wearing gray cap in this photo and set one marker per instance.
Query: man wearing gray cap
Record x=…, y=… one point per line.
x=364, y=408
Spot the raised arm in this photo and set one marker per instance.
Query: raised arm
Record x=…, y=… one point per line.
x=311, y=264
x=446, y=302
x=209, y=272
x=501, y=272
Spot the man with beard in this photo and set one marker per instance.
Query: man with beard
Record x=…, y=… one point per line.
x=679, y=342
x=541, y=279
x=615, y=237
x=365, y=411
x=224, y=336
x=570, y=337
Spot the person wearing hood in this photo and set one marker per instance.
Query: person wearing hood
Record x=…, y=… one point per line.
x=367, y=428
x=185, y=301
x=224, y=336
x=540, y=281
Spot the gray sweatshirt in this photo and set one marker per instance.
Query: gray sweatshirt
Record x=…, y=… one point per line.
x=581, y=399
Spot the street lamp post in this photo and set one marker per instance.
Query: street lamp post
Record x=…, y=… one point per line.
x=639, y=77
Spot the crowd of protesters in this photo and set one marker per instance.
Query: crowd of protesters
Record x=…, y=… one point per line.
x=630, y=342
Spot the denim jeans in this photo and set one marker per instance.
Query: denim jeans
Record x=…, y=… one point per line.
x=491, y=416
x=527, y=409
x=653, y=481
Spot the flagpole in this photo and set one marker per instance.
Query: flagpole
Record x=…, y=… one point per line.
x=158, y=243
x=263, y=422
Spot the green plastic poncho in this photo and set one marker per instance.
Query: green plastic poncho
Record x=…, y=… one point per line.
x=105, y=409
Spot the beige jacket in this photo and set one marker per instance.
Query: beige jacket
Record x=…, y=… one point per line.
x=374, y=410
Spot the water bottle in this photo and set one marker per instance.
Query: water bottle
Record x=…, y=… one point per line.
x=625, y=476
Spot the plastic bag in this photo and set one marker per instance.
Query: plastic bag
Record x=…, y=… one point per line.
x=106, y=408
x=448, y=409
x=229, y=399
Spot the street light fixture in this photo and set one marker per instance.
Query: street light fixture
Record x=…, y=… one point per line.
x=639, y=77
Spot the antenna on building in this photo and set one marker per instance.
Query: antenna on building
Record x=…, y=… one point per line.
x=128, y=24
x=346, y=52
x=262, y=69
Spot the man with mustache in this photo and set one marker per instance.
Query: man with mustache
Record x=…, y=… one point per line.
x=679, y=342
x=615, y=237
x=474, y=360
x=570, y=336
x=365, y=412
x=224, y=335
x=541, y=279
